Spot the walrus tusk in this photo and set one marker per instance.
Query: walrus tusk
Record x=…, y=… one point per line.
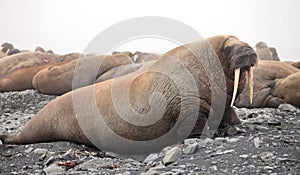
x=250, y=83
x=7, y=51
x=236, y=83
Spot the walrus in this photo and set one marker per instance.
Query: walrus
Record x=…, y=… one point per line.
x=275, y=83
x=123, y=70
x=13, y=51
x=18, y=70
x=294, y=64
x=176, y=88
x=263, y=51
x=275, y=56
x=140, y=57
x=39, y=49
x=57, y=79
x=6, y=47
x=124, y=52
x=50, y=51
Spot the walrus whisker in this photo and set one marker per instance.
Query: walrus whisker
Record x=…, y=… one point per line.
x=236, y=83
x=250, y=83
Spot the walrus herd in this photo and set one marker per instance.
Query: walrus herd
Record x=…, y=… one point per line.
x=180, y=86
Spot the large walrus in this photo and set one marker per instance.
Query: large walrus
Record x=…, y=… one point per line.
x=275, y=83
x=18, y=70
x=57, y=80
x=185, y=88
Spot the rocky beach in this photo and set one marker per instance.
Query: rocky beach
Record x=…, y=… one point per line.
x=266, y=142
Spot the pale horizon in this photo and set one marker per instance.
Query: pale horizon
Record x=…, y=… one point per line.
x=66, y=26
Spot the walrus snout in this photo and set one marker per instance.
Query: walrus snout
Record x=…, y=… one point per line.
x=242, y=58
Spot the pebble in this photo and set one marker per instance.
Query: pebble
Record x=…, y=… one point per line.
x=190, y=149
x=29, y=150
x=151, y=158
x=287, y=107
x=266, y=156
x=256, y=142
x=214, y=168
x=52, y=169
x=40, y=151
x=245, y=156
x=172, y=155
x=151, y=172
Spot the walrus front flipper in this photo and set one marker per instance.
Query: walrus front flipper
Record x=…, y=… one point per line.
x=7, y=139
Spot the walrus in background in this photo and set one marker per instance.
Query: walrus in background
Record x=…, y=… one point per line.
x=57, y=80
x=140, y=57
x=13, y=51
x=274, y=83
x=125, y=53
x=61, y=118
x=263, y=51
x=294, y=64
x=18, y=70
x=50, y=51
x=123, y=70
x=274, y=54
x=39, y=49
x=6, y=47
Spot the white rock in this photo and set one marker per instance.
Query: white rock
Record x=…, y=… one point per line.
x=172, y=155
x=256, y=142
x=190, y=149
x=245, y=156
x=53, y=169
x=39, y=151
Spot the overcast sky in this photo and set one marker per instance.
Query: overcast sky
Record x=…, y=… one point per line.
x=69, y=25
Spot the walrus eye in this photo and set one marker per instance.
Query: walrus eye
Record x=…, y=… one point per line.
x=227, y=50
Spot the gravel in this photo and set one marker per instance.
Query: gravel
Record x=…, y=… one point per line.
x=266, y=142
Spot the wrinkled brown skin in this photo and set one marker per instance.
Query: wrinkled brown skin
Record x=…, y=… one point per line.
x=139, y=57
x=57, y=80
x=2, y=55
x=17, y=71
x=119, y=71
x=289, y=89
x=57, y=121
x=294, y=64
x=275, y=83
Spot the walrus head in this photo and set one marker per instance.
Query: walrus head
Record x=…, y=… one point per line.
x=6, y=47
x=239, y=58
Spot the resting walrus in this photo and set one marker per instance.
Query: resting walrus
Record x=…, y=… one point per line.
x=57, y=80
x=17, y=71
x=275, y=83
x=183, y=88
